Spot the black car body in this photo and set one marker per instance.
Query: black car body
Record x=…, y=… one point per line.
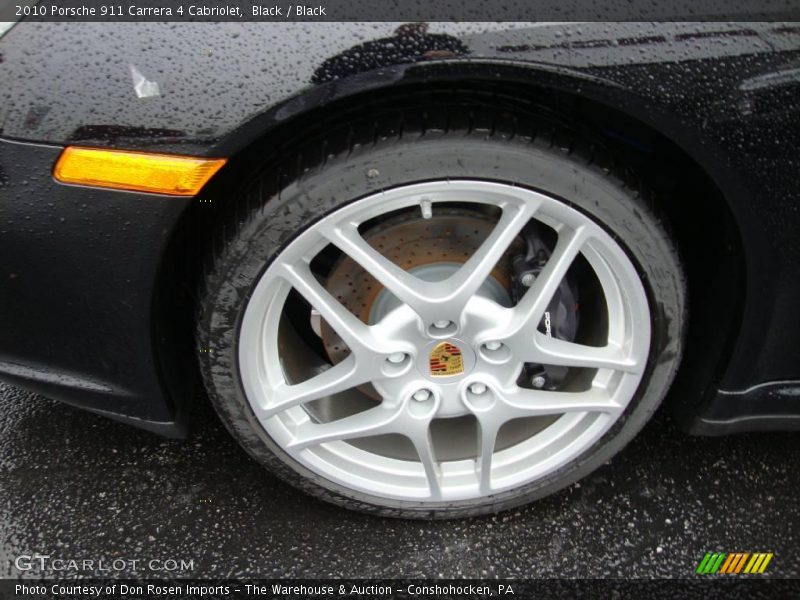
x=97, y=286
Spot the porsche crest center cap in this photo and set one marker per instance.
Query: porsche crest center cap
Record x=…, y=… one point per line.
x=445, y=359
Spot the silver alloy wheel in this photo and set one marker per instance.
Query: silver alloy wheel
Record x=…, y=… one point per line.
x=394, y=355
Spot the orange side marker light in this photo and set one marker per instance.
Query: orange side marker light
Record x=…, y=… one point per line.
x=136, y=171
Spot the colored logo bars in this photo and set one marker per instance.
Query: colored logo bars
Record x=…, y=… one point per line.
x=734, y=563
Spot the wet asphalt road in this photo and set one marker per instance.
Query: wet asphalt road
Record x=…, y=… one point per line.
x=74, y=485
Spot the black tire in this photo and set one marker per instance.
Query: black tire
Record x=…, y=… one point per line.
x=397, y=152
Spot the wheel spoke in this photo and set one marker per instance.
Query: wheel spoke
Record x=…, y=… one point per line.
x=406, y=287
x=552, y=351
x=373, y=421
x=424, y=447
x=531, y=307
x=536, y=403
x=487, y=438
x=468, y=279
x=355, y=333
x=338, y=378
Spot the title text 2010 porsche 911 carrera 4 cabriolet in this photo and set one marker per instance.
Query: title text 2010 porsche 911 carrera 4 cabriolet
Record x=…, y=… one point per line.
x=422, y=269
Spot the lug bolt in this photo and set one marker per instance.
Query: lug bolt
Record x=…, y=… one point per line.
x=443, y=324
x=421, y=395
x=396, y=358
x=493, y=345
x=528, y=279
x=477, y=388
x=538, y=381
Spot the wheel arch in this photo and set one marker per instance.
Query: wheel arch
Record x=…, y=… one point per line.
x=699, y=212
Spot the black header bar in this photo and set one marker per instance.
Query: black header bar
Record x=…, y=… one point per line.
x=398, y=10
